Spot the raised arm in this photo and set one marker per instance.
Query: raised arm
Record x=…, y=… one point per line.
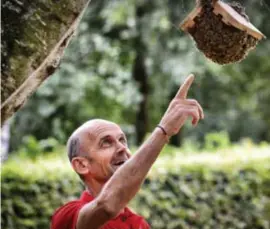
x=127, y=180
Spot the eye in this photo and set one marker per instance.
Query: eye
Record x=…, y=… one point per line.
x=106, y=142
x=123, y=140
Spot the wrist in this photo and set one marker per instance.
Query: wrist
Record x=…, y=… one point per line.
x=163, y=132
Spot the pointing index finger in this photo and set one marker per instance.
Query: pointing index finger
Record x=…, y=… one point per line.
x=183, y=90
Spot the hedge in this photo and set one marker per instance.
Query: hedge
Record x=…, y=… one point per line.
x=207, y=199
x=183, y=197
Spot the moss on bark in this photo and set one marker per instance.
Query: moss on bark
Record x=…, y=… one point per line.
x=31, y=30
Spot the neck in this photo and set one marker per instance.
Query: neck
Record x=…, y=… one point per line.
x=94, y=187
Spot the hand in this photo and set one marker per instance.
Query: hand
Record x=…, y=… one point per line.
x=180, y=109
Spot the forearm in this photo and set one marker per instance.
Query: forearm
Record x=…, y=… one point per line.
x=126, y=181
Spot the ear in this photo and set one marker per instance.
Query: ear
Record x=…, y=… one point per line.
x=81, y=165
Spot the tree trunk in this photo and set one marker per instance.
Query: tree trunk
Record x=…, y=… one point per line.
x=34, y=35
x=140, y=75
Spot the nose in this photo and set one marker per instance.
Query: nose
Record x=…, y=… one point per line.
x=121, y=148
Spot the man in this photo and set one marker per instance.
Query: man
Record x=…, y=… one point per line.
x=99, y=153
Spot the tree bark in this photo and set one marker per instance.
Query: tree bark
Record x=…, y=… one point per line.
x=34, y=35
x=140, y=75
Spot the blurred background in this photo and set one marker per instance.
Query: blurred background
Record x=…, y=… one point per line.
x=125, y=64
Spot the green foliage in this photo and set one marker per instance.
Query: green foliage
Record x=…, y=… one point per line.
x=206, y=199
x=28, y=201
x=32, y=148
x=216, y=140
x=179, y=197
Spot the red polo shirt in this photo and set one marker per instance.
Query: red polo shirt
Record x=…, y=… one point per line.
x=66, y=216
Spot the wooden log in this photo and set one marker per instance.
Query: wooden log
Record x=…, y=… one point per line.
x=35, y=34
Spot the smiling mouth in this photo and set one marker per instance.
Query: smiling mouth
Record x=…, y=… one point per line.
x=119, y=163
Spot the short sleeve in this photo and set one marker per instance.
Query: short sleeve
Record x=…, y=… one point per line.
x=66, y=216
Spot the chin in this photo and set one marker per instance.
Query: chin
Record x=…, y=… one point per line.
x=114, y=168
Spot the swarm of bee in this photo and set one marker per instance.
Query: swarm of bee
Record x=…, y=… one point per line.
x=220, y=42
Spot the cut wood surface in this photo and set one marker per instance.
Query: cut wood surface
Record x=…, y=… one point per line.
x=188, y=21
x=231, y=17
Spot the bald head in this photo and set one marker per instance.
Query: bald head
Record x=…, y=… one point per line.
x=82, y=135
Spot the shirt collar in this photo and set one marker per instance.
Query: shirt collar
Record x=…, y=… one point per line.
x=86, y=197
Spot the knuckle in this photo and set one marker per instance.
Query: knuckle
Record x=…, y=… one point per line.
x=181, y=110
x=195, y=112
x=178, y=106
x=173, y=103
x=187, y=111
x=194, y=102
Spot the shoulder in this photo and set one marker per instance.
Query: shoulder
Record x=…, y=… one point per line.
x=66, y=216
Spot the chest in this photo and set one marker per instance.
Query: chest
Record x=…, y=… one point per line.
x=124, y=222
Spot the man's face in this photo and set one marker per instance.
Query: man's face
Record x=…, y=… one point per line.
x=107, y=149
